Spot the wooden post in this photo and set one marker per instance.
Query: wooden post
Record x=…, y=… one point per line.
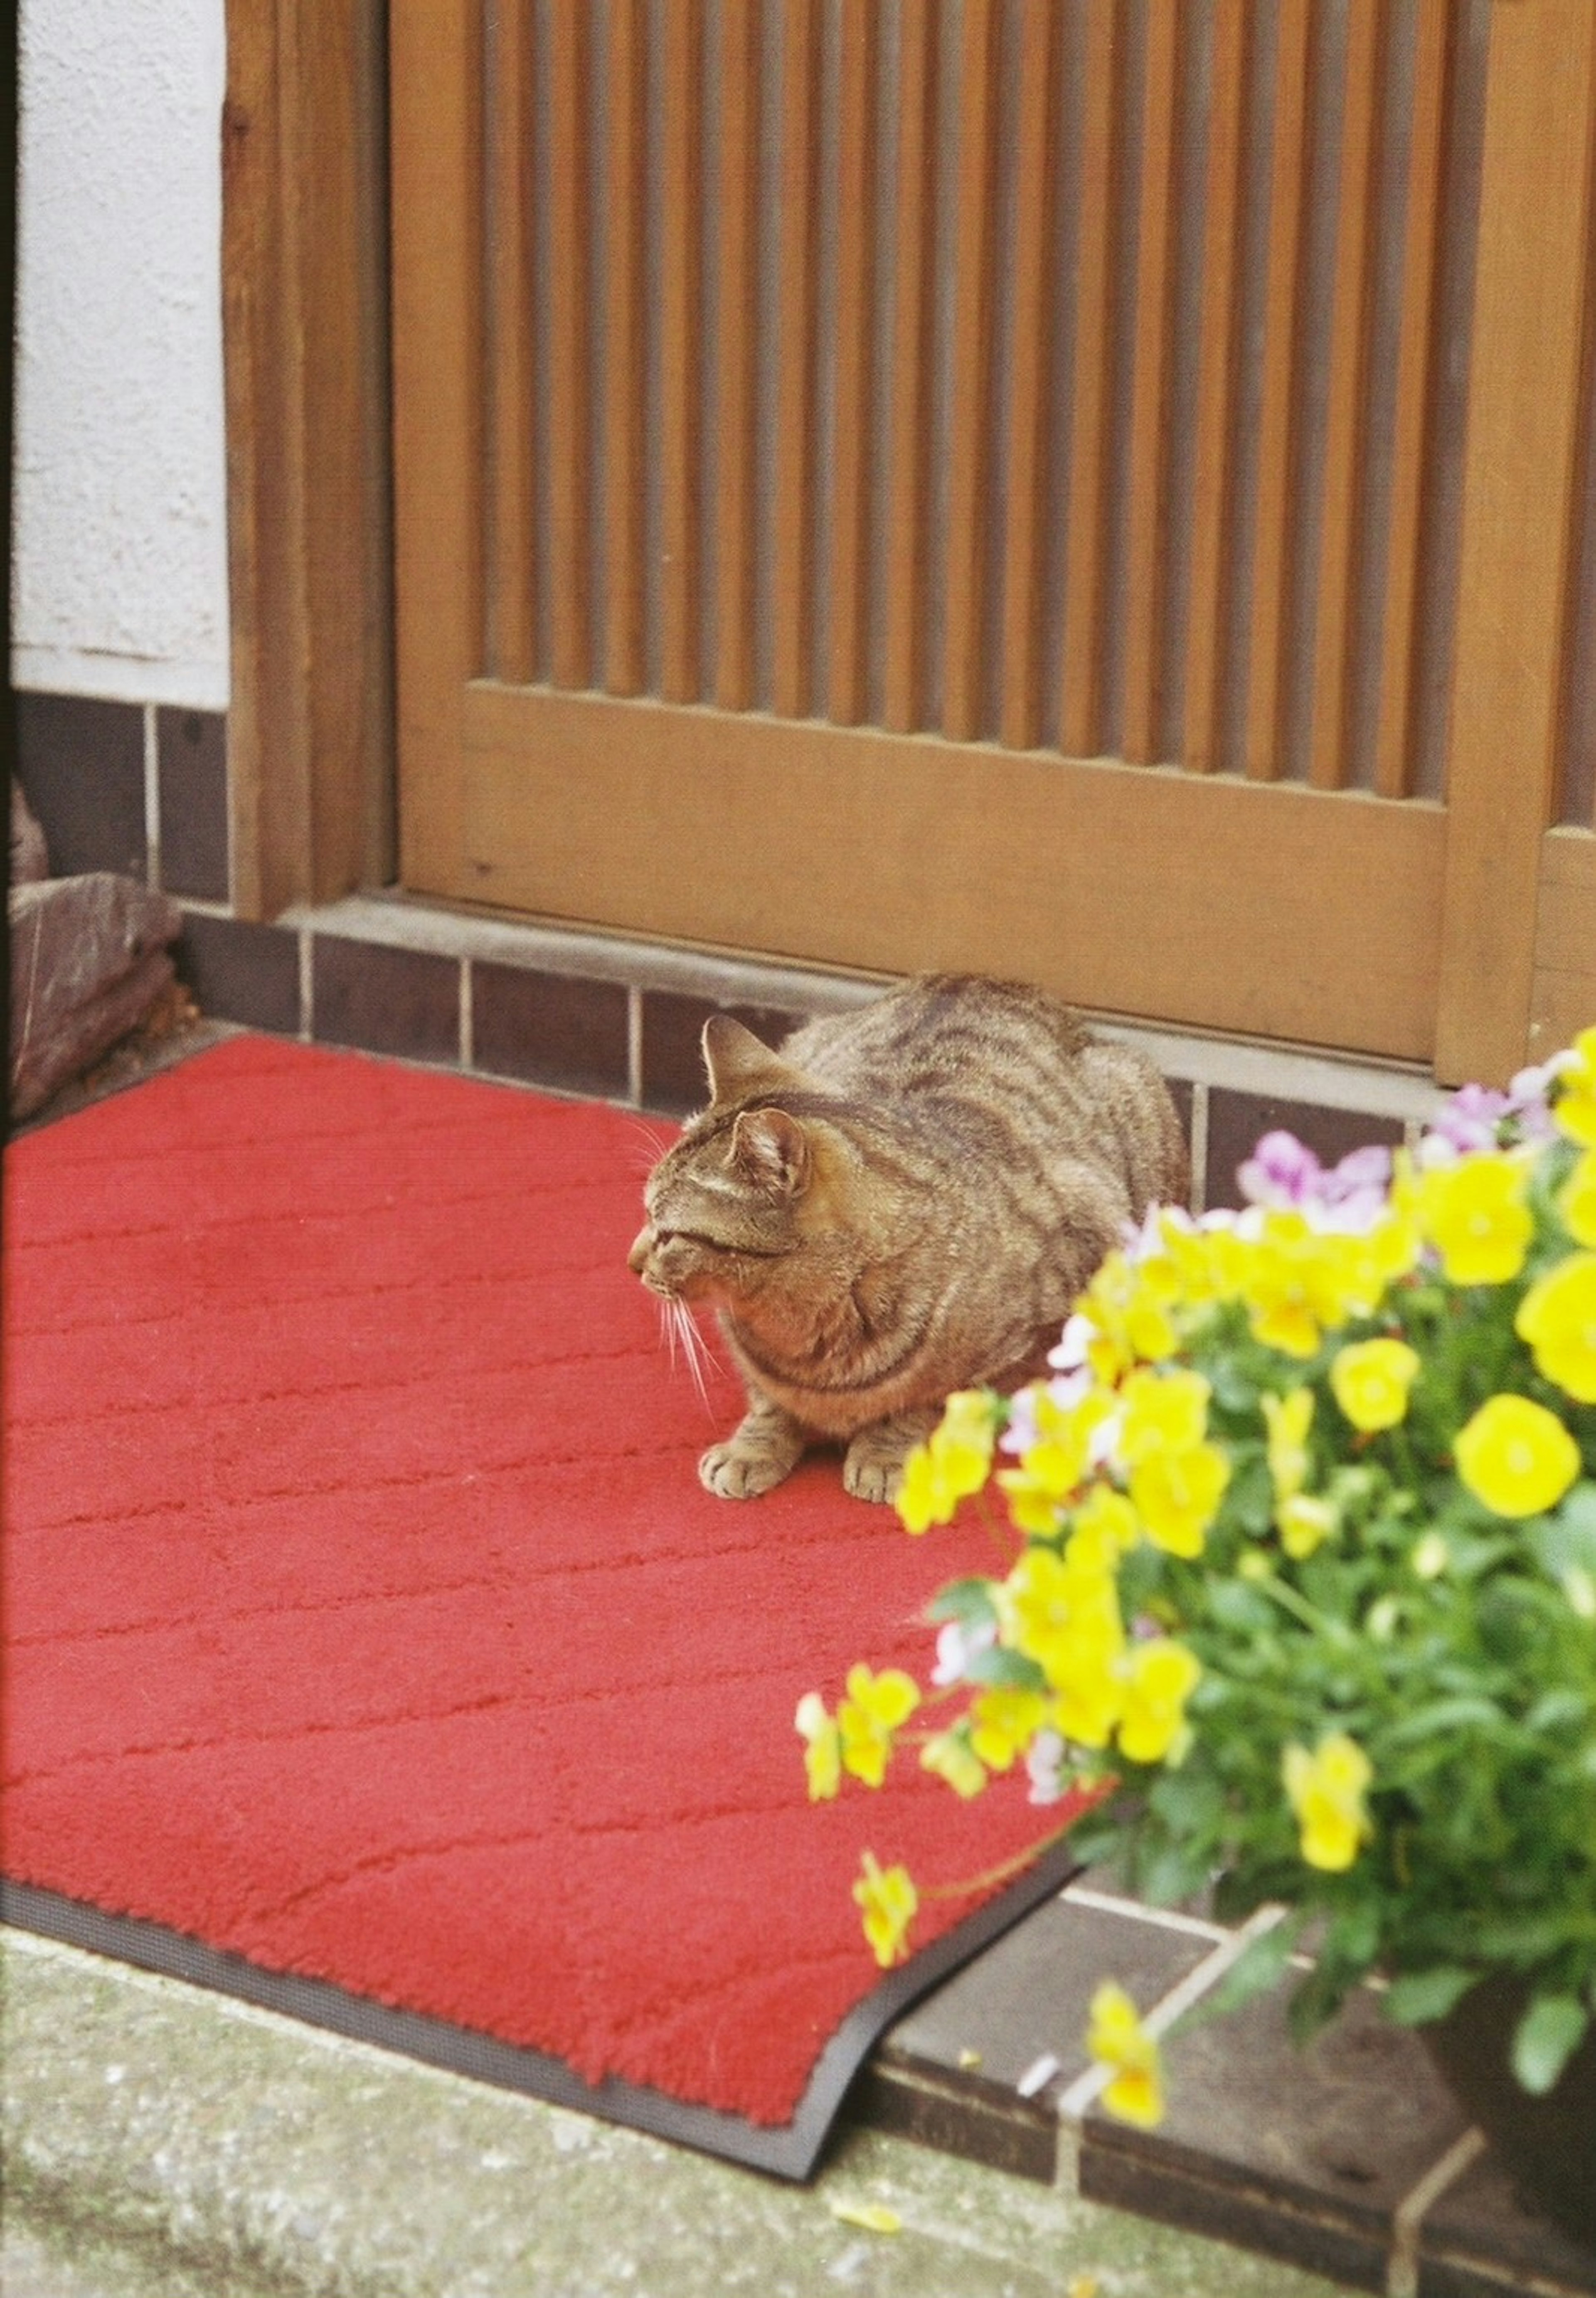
x=1532, y=300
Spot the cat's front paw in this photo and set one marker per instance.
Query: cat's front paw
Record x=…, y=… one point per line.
x=735, y=1474
x=870, y=1472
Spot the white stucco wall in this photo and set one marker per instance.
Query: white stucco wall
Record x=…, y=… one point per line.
x=120, y=521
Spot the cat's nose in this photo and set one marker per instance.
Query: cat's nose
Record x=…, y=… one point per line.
x=637, y=1259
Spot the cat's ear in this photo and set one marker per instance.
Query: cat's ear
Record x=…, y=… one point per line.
x=739, y=1065
x=770, y=1150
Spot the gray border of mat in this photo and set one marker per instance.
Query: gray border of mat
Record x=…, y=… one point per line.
x=791, y=2151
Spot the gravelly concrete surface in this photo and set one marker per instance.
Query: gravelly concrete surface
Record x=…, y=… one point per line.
x=161, y=2139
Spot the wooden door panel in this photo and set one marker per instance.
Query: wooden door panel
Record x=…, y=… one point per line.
x=889, y=852
x=891, y=483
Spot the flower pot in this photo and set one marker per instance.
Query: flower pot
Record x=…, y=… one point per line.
x=1548, y=2144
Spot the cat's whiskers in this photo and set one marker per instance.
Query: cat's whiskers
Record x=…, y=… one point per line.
x=679, y=1324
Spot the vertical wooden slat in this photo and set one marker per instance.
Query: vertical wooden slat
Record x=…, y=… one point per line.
x=438, y=385
x=569, y=578
x=1532, y=301
x=968, y=458
x=680, y=294
x=1147, y=546
x=1410, y=419
x=1211, y=519
x=1024, y=532
x=623, y=353
x=854, y=354
x=914, y=194
x=1343, y=517
x=510, y=602
x=1089, y=407
x=792, y=537
x=1281, y=387
x=738, y=343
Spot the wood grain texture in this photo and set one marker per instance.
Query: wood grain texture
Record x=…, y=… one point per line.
x=969, y=445
x=738, y=352
x=855, y=347
x=304, y=380
x=1147, y=539
x=570, y=349
x=793, y=519
x=666, y=821
x=1343, y=510
x=625, y=411
x=915, y=214
x=1520, y=478
x=1085, y=600
x=1208, y=637
x=680, y=332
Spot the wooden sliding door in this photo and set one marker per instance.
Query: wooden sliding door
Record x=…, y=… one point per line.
x=988, y=482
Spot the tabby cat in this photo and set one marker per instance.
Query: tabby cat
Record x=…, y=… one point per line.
x=903, y=1201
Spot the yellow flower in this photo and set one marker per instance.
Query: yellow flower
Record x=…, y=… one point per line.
x=1127, y=1306
x=1371, y=1380
x=1164, y=1412
x=1287, y=1419
x=875, y=1706
x=1176, y=1495
x=889, y=1902
x=1117, y=2038
x=1004, y=1718
x=1576, y=1106
x=1102, y=1529
x=1068, y=1621
x=949, y=1755
x=1161, y=1676
x=1515, y=1457
x=1474, y=1214
x=1557, y=1317
x=1053, y=1468
x=1298, y=1282
x=1305, y=1523
x=1327, y=1791
x=822, y=1751
x=1577, y=1201
x=954, y=1462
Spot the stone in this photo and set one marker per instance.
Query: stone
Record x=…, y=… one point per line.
x=88, y=959
x=30, y=860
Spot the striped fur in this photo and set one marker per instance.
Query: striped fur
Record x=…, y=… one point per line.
x=903, y=1200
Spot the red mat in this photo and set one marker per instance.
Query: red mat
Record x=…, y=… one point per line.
x=374, y=1650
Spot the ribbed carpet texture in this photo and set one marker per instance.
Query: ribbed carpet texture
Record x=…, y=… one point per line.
x=367, y=1621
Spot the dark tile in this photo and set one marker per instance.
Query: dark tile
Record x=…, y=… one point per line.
x=191, y=755
x=1238, y=1121
x=1482, y=2240
x=241, y=973
x=1248, y=2217
x=404, y=1002
x=673, y=1064
x=949, y=2073
x=81, y=763
x=547, y=1031
x=1327, y=2140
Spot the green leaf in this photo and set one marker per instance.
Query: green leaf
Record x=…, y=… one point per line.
x=967, y=1601
x=996, y=1665
x=1550, y=2029
x=1417, y=1997
x=1566, y=1541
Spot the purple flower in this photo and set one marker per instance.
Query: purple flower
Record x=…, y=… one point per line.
x=1280, y=1171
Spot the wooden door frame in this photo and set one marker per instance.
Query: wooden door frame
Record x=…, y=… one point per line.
x=309, y=557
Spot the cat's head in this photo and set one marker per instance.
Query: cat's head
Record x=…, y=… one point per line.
x=741, y=1192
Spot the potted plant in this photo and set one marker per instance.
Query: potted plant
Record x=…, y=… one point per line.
x=1299, y=1577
